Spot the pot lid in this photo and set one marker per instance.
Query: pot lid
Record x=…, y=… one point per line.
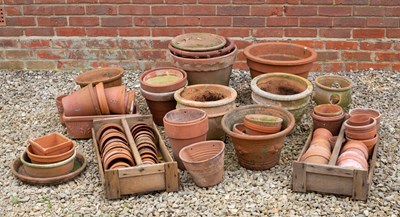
x=198, y=42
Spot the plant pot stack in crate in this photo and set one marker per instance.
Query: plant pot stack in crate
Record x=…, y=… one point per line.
x=328, y=116
x=362, y=128
x=207, y=58
x=146, y=141
x=354, y=154
x=320, y=149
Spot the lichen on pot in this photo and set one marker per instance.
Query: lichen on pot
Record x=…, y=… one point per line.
x=333, y=89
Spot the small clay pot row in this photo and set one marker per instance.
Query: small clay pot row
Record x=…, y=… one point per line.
x=320, y=149
x=259, y=124
x=114, y=147
x=328, y=116
x=98, y=100
x=363, y=128
x=354, y=154
x=146, y=142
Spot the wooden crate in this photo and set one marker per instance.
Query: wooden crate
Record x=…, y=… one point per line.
x=163, y=176
x=332, y=179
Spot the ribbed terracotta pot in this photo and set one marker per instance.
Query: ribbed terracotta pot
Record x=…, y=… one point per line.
x=205, y=162
x=270, y=57
x=214, y=99
x=333, y=89
x=258, y=152
x=82, y=102
x=110, y=76
x=333, y=123
x=289, y=91
x=184, y=127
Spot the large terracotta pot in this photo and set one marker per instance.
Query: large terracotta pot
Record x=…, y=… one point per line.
x=214, y=99
x=115, y=97
x=205, y=162
x=110, y=76
x=333, y=89
x=258, y=152
x=279, y=57
x=184, y=127
x=289, y=91
x=215, y=70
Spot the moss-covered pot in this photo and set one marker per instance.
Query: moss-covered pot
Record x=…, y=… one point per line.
x=333, y=89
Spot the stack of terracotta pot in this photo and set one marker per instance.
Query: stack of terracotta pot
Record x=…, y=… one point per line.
x=158, y=87
x=362, y=128
x=207, y=58
x=320, y=149
x=49, y=156
x=114, y=147
x=98, y=100
x=146, y=141
x=260, y=124
x=354, y=154
x=328, y=116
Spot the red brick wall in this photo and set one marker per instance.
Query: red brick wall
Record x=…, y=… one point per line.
x=80, y=34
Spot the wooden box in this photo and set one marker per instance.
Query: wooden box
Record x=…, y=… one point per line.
x=163, y=176
x=332, y=179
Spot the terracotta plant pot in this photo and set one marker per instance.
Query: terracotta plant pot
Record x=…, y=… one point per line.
x=370, y=143
x=328, y=110
x=52, y=144
x=184, y=127
x=82, y=102
x=258, y=152
x=333, y=89
x=60, y=108
x=322, y=132
x=333, y=124
x=229, y=46
x=359, y=120
x=352, y=160
x=215, y=70
x=116, y=99
x=361, y=129
x=239, y=128
x=324, y=143
x=255, y=129
x=373, y=113
x=264, y=120
x=205, y=162
x=270, y=57
x=159, y=104
x=163, y=80
x=198, y=42
x=316, y=155
x=281, y=89
x=50, y=159
x=216, y=100
x=358, y=146
x=110, y=76
x=101, y=96
x=48, y=170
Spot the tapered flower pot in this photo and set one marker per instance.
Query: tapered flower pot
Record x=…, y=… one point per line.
x=163, y=80
x=115, y=97
x=82, y=102
x=214, y=99
x=159, y=104
x=289, y=91
x=258, y=152
x=373, y=113
x=333, y=89
x=110, y=76
x=184, y=127
x=332, y=123
x=205, y=162
x=270, y=57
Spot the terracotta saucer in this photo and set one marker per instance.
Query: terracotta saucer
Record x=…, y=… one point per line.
x=198, y=42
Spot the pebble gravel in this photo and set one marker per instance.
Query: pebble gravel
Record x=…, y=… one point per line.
x=27, y=110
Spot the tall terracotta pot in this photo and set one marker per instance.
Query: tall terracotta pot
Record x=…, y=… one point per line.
x=259, y=152
x=333, y=89
x=214, y=99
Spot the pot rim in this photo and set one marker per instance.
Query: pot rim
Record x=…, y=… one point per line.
x=284, y=132
x=304, y=61
x=317, y=82
x=204, y=61
x=376, y=112
x=143, y=75
x=118, y=70
x=51, y=156
x=46, y=166
x=372, y=124
x=198, y=120
x=200, y=144
x=254, y=87
x=327, y=118
x=204, y=35
x=191, y=103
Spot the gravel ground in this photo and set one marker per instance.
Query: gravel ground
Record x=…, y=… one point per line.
x=27, y=110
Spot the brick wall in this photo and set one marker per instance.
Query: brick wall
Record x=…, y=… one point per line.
x=80, y=34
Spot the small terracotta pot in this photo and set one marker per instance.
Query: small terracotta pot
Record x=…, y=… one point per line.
x=348, y=155
x=359, y=120
x=110, y=76
x=159, y=104
x=198, y=41
x=205, y=162
x=356, y=145
x=52, y=144
x=116, y=99
x=361, y=129
x=184, y=127
x=163, y=86
x=322, y=132
x=101, y=96
x=322, y=143
x=361, y=135
x=239, y=128
x=333, y=124
x=373, y=113
x=333, y=89
x=42, y=159
x=60, y=108
x=317, y=155
x=82, y=102
x=370, y=143
x=255, y=129
x=328, y=110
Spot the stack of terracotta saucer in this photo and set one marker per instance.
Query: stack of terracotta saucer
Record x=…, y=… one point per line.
x=354, y=154
x=259, y=124
x=114, y=147
x=146, y=141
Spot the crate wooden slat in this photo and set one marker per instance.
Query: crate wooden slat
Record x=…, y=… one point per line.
x=332, y=179
x=141, y=178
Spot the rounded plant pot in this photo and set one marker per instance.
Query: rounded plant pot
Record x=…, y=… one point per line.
x=60, y=108
x=258, y=152
x=82, y=102
x=159, y=104
x=270, y=57
x=163, y=80
x=49, y=159
x=205, y=162
x=216, y=70
x=229, y=46
x=333, y=89
x=116, y=99
x=289, y=91
x=373, y=113
x=333, y=124
x=184, y=127
x=110, y=76
x=328, y=110
x=216, y=100
x=371, y=125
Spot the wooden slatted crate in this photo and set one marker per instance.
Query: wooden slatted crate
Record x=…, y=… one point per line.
x=332, y=179
x=163, y=176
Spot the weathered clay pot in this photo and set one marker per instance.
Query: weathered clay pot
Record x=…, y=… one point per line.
x=258, y=152
x=255, y=129
x=373, y=113
x=322, y=132
x=163, y=80
x=101, y=96
x=60, y=108
x=370, y=143
x=82, y=102
x=229, y=46
x=49, y=159
x=198, y=41
x=332, y=124
x=184, y=127
x=361, y=129
x=322, y=143
x=333, y=89
x=328, y=110
x=214, y=99
x=316, y=155
x=359, y=120
x=270, y=57
x=205, y=162
x=110, y=76
x=159, y=104
x=116, y=99
x=52, y=144
x=289, y=91
x=215, y=70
